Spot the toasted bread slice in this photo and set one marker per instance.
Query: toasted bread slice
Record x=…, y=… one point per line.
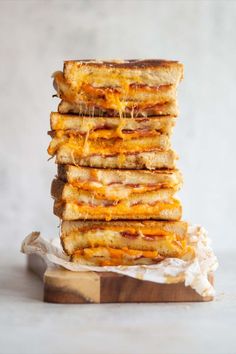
x=117, y=126
x=113, y=73
x=119, y=183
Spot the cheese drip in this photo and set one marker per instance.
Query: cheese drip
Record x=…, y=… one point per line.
x=86, y=89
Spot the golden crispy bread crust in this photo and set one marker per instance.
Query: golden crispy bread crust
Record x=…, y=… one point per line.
x=128, y=63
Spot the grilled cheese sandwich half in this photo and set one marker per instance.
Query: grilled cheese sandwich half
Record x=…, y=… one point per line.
x=125, y=87
x=125, y=243
x=151, y=151
x=140, y=235
x=112, y=142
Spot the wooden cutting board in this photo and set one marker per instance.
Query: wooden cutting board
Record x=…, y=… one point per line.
x=67, y=287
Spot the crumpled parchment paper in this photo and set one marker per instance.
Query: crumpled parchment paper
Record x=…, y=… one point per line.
x=171, y=270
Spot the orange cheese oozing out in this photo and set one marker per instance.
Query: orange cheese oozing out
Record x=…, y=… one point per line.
x=122, y=209
x=116, y=254
x=83, y=90
x=102, y=146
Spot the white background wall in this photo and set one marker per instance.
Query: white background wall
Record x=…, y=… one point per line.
x=35, y=38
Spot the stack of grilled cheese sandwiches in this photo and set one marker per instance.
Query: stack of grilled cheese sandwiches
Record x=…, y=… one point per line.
x=117, y=177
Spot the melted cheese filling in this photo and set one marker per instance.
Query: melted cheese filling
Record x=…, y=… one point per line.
x=115, y=253
x=122, y=96
x=134, y=241
x=141, y=231
x=168, y=244
x=75, y=195
x=116, y=125
x=83, y=146
x=124, y=209
x=139, y=181
x=116, y=131
x=105, y=256
x=117, y=191
x=108, y=133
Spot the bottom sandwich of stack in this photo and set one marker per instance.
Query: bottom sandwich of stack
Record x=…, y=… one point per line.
x=182, y=273
x=125, y=242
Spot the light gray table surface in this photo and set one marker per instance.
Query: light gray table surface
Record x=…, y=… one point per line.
x=30, y=326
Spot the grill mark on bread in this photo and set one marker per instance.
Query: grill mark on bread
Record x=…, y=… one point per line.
x=130, y=235
x=127, y=64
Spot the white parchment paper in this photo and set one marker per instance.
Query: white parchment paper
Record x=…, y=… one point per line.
x=171, y=270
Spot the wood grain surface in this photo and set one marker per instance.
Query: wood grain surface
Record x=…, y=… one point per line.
x=64, y=286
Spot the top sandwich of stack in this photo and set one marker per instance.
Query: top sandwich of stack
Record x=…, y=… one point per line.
x=112, y=128
x=130, y=87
